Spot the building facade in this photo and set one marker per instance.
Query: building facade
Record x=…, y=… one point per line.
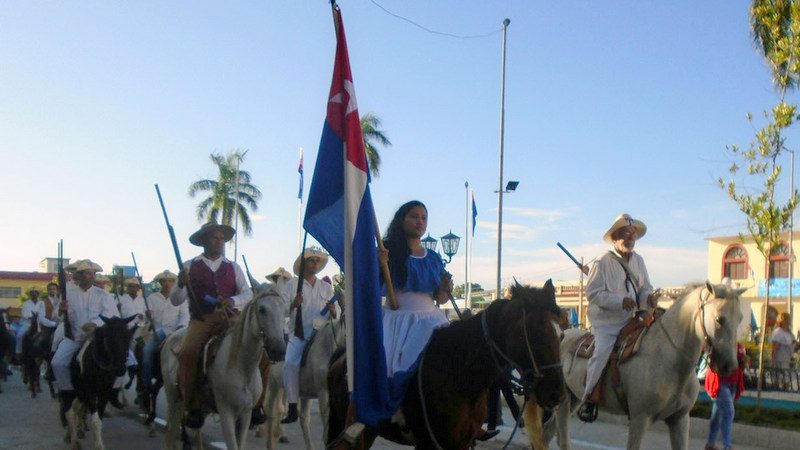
x=14, y=285
x=742, y=262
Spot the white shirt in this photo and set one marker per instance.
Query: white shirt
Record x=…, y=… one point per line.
x=166, y=316
x=29, y=308
x=55, y=301
x=608, y=286
x=314, y=299
x=243, y=291
x=131, y=307
x=779, y=336
x=87, y=306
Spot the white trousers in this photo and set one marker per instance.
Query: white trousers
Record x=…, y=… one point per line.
x=23, y=330
x=61, y=361
x=58, y=336
x=291, y=369
x=603, y=345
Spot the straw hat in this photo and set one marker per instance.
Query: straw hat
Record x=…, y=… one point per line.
x=308, y=253
x=165, y=275
x=131, y=281
x=83, y=264
x=198, y=237
x=624, y=220
x=280, y=272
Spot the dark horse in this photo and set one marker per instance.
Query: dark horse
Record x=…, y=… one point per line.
x=93, y=371
x=36, y=349
x=6, y=345
x=447, y=400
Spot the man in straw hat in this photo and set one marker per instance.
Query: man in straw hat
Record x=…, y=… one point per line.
x=131, y=303
x=30, y=307
x=618, y=286
x=218, y=287
x=308, y=303
x=279, y=278
x=84, y=305
x=166, y=319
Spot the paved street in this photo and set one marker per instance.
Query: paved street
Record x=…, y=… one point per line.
x=27, y=423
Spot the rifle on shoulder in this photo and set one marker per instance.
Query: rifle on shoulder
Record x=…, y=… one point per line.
x=175, y=248
x=141, y=286
x=62, y=287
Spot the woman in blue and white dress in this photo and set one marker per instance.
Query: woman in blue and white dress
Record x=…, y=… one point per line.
x=420, y=284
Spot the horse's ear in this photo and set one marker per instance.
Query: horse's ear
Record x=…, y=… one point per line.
x=549, y=284
x=104, y=319
x=711, y=288
x=739, y=292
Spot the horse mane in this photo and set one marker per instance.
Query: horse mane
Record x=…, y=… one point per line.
x=239, y=329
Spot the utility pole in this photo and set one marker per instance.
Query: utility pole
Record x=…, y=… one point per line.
x=500, y=162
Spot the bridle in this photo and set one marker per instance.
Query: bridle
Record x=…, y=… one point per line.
x=505, y=366
x=701, y=314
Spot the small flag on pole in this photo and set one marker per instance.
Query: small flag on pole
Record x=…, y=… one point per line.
x=474, y=213
x=300, y=171
x=341, y=217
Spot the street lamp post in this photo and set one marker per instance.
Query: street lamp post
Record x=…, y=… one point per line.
x=500, y=163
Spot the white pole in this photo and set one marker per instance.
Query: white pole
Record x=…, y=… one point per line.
x=466, y=244
x=239, y=157
x=580, y=299
x=791, y=243
x=471, y=242
x=498, y=293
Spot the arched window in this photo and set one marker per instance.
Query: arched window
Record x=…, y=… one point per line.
x=734, y=263
x=779, y=262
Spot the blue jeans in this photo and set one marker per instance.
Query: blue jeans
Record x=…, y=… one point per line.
x=722, y=415
x=149, y=353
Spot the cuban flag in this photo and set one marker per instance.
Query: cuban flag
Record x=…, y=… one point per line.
x=340, y=216
x=300, y=171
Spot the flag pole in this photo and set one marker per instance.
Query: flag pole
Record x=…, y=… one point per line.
x=466, y=252
x=300, y=206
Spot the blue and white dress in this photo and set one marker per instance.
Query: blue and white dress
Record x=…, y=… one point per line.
x=407, y=330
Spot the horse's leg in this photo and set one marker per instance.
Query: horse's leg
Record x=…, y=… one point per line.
x=324, y=409
x=533, y=415
x=636, y=430
x=305, y=422
x=679, y=431
x=227, y=421
x=244, y=427
x=73, y=420
x=563, y=412
x=97, y=424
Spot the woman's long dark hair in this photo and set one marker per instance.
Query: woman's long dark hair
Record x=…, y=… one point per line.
x=396, y=242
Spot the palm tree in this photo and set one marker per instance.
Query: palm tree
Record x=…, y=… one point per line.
x=773, y=23
x=223, y=197
x=373, y=135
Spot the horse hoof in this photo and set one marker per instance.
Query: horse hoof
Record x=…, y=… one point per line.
x=283, y=440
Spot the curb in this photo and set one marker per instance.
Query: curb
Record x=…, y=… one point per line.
x=751, y=435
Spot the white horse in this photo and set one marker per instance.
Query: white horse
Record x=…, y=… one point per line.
x=660, y=382
x=313, y=383
x=234, y=375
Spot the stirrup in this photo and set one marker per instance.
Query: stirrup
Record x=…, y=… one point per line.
x=588, y=412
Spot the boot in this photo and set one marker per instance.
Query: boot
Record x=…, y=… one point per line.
x=588, y=412
x=257, y=416
x=114, y=399
x=292, y=415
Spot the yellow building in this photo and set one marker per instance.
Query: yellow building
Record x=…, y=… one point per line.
x=747, y=268
x=14, y=285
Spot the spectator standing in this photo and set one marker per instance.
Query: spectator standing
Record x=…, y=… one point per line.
x=783, y=343
x=724, y=390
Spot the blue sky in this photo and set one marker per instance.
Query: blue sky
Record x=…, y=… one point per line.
x=611, y=107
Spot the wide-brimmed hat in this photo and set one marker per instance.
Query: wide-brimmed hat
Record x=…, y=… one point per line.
x=131, y=281
x=165, y=275
x=198, y=236
x=83, y=264
x=308, y=253
x=280, y=272
x=624, y=220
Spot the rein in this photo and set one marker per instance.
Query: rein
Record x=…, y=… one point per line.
x=699, y=313
x=517, y=383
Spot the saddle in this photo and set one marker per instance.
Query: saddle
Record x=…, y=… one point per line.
x=626, y=347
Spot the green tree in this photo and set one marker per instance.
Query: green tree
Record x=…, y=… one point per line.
x=224, y=198
x=458, y=291
x=373, y=136
x=775, y=25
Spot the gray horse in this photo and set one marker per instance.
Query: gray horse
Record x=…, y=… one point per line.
x=660, y=382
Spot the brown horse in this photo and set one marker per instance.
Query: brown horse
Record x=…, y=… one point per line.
x=447, y=401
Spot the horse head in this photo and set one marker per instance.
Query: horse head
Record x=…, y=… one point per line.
x=530, y=336
x=720, y=314
x=269, y=315
x=112, y=342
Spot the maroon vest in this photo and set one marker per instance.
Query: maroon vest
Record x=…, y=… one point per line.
x=221, y=283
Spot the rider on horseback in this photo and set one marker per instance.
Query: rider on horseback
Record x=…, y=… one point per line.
x=218, y=287
x=32, y=307
x=618, y=286
x=166, y=319
x=308, y=303
x=84, y=305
